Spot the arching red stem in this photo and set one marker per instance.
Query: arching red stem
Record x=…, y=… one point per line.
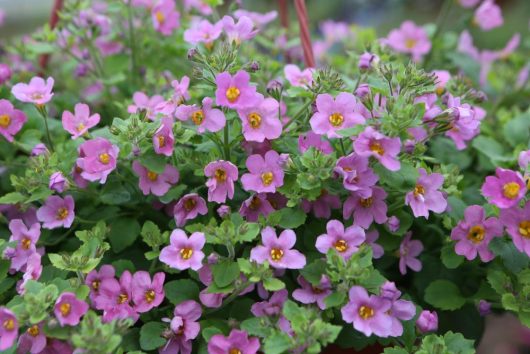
x=305, y=37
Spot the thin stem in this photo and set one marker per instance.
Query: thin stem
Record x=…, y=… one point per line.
x=342, y=146
x=44, y=114
x=299, y=113
x=227, y=141
x=230, y=298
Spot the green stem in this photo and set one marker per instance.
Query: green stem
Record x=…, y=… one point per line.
x=342, y=146
x=44, y=114
x=230, y=298
x=299, y=113
x=227, y=141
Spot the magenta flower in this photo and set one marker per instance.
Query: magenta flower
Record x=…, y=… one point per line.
x=260, y=121
x=39, y=149
x=33, y=271
x=148, y=104
x=335, y=114
x=8, y=328
x=345, y=241
x=504, y=190
x=237, y=342
x=97, y=159
x=409, y=250
x=221, y=176
x=400, y=310
x=322, y=205
x=466, y=124
x=5, y=73
x=310, y=139
x=115, y=298
x=366, y=210
x=372, y=143
x=474, y=234
x=256, y=205
x=426, y=195
x=517, y=223
x=409, y=39
x=147, y=294
x=165, y=17
x=188, y=208
x=367, y=60
x=183, y=252
x=259, y=19
x=69, y=309
x=427, y=321
x=94, y=278
x=33, y=340
x=184, y=328
x=78, y=124
x=393, y=223
x=163, y=138
x=57, y=182
x=272, y=307
x=377, y=250
x=238, y=32
x=151, y=182
x=203, y=31
x=278, y=250
x=57, y=212
x=26, y=239
x=488, y=16
x=483, y=307
x=37, y=91
x=235, y=91
x=11, y=120
x=180, y=94
x=205, y=118
x=442, y=78
x=524, y=159
x=265, y=173
x=356, y=175
x=368, y=313
x=309, y=294
x=297, y=77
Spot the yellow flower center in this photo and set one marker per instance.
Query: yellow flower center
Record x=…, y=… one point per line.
x=377, y=148
x=95, y=285
x=161, y=141
x=267, y=178
x=189, y=204
x=159, y=15
x=336, y=119
x=36, y=96
x=65, y=308
x=9, y=324
x=410, y=43
x=80, y=127
x=511, y=190
x=5, y=120
x=152, y=176
x=439, y=91
x=366, y=203
x=26, y=242
x=232, y=94
x=524, y=228
x=62, y=213
x=276, y=254
x=234, y=351
x=186, y=253
x=254, y=120
x=123, y=298
x=366, y=312
x=255, y=203
x=150, y=296
x=419, y=190
x=341, y=245
x=220, y=175
x=104, y=158
x=476, y=234
x=33, y=330
x=197, y=117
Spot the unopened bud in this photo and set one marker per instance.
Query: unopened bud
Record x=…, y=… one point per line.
x=254, y=66
x=192, y=53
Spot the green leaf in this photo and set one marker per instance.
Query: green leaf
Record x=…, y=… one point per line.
x=313, y=271
x=277, y=343
x=395, y=350
x=291, y=218
x=449, y=258
x=255, y=326
x=273, y=284
x=444, y=295
x=247, y=232
x=115, y=193
x=123, y=233
x=154, y=162
x=456, y=343
x=4, y=267
x=225, y=272
x=349, y=132
x=151, y=335
x=180, y=290
x=403, y=180
x=498, y=281
x=517, y=130
x=12, y=198
x=209, y=332
x=514, y=260
x=491, y=148
x=334, y=299
x=121, y=265
x=509, y=302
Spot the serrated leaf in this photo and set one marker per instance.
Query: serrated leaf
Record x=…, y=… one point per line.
x=334, y=299
x=444, y=295
x=225, y=272
x=151, y=335
x=180, y=290
x=273, y=284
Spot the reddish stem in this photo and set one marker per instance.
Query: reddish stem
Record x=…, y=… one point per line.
x=305, y=37
x=54, y=18
x=284, y=13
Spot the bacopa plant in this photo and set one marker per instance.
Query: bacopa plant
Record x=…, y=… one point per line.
x=185, y=177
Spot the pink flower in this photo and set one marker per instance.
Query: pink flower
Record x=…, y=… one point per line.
x=372, y=143
x=356, y=175
x=377, y=250
x=184, y=328
x=147, y=294
x=265, y=173
x=469, y=3
x=255, y=206
x=345, y=241
x=334, y=31
x=39, y=149
x=33, y=271
x=235, y=91
x=57, y=212
x=260, y=121
x=322, y=205
x=26, y=239
x=409, y=250
x=442, y=77
x=163, y=138
x=69, y=309
x=205, y=118
x=94, y=278
x=409, y=39
x=11, y=120
x=466, y=124
x=368, y=313
x=367, y=60
x=151, y=182
x=183, y=252
x=366, y=210
x=238, y=32
x=258, y=18
x=97, y=159
x=335, y=114
x=180, y=94
x=524, y=159
x=37, y=91
x=8, y=329
x=272, y=307
x=517, y=223
x=203, y=31
x=5, y=73
x=427, y=321
x=297, y=77
x=488, y=15
x=57, y=182
x=143, y=102
x=474, y=233
x=165, y=17
x=309, y=294
x=278, y=250
x=393, y=223
x=221, y=176
x=426, y=195
x=33, y=340
x=311, y=139
x=115, y=298
x=78, y=124
x=504, y=190
x=199, y=5
x=400, y=310
x=238, y=342
x=188, y=208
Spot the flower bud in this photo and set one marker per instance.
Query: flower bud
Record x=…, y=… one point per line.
x=254, y=66
x=427, y=321
x=484, y=307
x=223, y=211
x=366, y=60
x=362, y=91
x=39, y=149
x=192, y=53
x=393, y=223
x=57, y=182
x=274, y=85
